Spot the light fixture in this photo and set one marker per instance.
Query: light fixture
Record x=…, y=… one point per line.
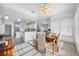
x=45, y=8
x=6, y=17
x=19, y=20
x=27, y=21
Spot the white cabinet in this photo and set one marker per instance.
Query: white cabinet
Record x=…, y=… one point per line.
x=29, y=36
x=18, y=35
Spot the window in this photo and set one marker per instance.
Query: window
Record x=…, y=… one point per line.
x=66, y=27
x=55, y=27
x=63, y=26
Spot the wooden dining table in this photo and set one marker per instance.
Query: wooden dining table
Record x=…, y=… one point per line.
x=52, y=39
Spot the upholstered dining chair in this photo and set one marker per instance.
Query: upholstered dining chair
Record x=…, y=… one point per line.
x=41, y=42
x=51, y=47
x=60, y=43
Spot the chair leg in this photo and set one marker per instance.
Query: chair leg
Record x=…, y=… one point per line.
x=54, y=47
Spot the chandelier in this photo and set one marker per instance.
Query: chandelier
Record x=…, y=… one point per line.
x=45, y=8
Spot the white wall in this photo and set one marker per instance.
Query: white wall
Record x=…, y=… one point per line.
x=5, y=11
x=2, y=27
x=77, y=29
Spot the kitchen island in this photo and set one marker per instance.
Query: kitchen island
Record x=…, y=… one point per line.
x=29, y=35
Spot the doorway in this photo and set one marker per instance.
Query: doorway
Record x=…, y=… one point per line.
x=8, y=30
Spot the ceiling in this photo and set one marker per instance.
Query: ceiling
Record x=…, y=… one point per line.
x=24, y=10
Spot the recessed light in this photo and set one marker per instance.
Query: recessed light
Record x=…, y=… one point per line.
x=27, y=21
x=19, y=20
x=6, y=17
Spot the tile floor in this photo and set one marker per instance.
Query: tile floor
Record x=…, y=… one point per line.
x=29, y=49
x=26, y=49
x=69, y=49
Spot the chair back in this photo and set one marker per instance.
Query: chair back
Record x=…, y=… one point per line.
x=41, y=41
x=60, y=44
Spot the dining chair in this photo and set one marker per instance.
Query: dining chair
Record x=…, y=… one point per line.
x=41, y=42
x=60, y=43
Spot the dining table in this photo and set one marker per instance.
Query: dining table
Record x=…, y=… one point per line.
x=52, y=39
